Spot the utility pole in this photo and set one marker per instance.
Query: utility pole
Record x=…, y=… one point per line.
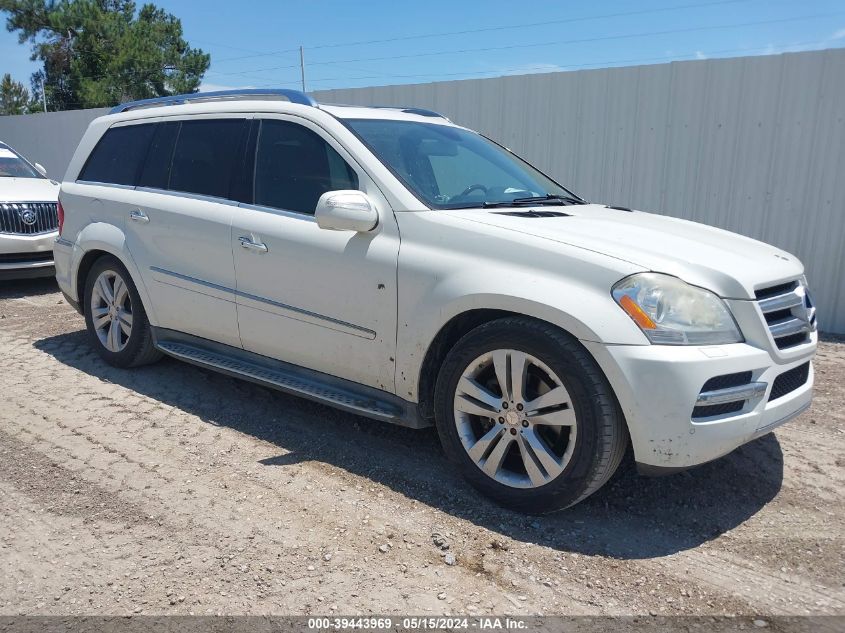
x=302, y=66
x=43, y=95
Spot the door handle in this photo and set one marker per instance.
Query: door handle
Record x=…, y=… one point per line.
x=248, y=244
x=139, y=216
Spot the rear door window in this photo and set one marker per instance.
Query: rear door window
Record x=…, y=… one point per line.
x=206, y=156
x=118, y=157
x=156, y=171
x=294, y=166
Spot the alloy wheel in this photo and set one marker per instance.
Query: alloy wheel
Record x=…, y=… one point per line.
x=515, y=418
x=111, y=311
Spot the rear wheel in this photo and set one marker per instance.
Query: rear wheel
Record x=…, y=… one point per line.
x=116, y=321
x=528, y=416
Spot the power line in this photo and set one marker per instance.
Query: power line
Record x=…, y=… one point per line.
x=490, y=29
x=601, y=64
x=541, y=44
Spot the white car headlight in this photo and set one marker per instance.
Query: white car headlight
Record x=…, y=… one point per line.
x=672, y=312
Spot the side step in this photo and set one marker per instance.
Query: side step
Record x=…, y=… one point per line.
x=291, y=379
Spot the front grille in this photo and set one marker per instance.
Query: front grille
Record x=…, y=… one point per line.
x=28, y=218
x=789, y=313
x=789, y=381
x=705, y=411
x=773, y=291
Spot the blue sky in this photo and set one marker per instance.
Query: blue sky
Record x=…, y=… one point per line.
x=349, y=44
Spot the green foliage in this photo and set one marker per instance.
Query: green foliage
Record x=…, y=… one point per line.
x=14, y=98
x=99, y=53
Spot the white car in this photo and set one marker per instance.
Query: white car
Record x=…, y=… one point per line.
x=390, y=263
x=28, y=219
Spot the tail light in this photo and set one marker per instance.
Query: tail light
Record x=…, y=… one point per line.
x=61, y=213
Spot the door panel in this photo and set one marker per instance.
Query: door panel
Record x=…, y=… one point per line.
x=180, y=232
x=321, y=299
x=184, y=252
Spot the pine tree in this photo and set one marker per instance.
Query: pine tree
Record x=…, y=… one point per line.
x=98, y=53
x=14, y=98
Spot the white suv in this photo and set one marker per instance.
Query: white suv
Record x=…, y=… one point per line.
x=390, y=263
x=28, y=220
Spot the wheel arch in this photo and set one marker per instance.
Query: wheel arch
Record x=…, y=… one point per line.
x=95, y=241
x=450, y=333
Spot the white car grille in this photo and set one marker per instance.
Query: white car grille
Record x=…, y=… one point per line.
x=28, y=218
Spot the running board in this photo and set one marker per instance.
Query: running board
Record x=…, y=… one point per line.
x=291, y=379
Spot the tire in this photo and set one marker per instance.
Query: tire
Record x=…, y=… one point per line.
x=131, y=344
x=580, y=427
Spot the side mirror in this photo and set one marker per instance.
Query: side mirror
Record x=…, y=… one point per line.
x=41, y=170
x=346, y=210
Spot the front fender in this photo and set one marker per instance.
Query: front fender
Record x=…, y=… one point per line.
x=586, y=312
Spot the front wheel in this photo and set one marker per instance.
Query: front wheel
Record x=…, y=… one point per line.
x=527, y=415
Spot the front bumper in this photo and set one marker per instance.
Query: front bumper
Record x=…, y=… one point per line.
x=657, y=387
x=26, y=256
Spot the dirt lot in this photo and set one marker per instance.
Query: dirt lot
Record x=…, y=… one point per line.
x=170, y=490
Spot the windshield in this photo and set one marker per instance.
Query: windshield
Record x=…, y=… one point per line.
x=452, y=168
x=13, y=166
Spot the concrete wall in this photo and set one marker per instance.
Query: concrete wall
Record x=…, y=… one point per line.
x=755, y=145
x=48, y=138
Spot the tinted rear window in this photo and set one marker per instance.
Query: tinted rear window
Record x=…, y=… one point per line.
x=206, y=156
x=118, y=157
x=156, y=171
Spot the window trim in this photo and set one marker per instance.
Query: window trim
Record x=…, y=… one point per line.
x=288, y=213
x=96, y=183
x=187, y=194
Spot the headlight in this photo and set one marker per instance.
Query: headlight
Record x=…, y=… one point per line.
x=672, y=312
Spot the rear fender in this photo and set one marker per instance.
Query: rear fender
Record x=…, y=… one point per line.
x=107, y=238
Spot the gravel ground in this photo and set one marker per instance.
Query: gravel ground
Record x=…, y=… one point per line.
x=172, y=490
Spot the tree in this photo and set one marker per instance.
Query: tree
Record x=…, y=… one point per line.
x=98, y=53
x=14, y=98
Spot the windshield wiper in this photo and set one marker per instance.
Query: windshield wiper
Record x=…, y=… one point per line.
x=548, y=199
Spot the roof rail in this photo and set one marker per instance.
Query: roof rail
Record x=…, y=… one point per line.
x=294, y=96
x=413, y=110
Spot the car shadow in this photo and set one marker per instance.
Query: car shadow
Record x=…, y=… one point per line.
x=632, y=517
x=18, y=288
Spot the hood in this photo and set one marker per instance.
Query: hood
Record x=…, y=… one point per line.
x=28, y=190
x=731, y=265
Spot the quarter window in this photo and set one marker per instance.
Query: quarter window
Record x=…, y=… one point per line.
x=206, y=156
x=118, y=156
x=295, y=166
